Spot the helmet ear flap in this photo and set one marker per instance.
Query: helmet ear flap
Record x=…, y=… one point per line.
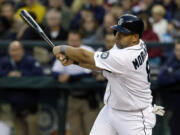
x=115, y=31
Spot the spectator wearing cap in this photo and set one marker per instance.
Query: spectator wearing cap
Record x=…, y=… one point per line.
x=35, y=7
x=64, y=11
x=159, y=22
x=54, y=29
x=105, y=28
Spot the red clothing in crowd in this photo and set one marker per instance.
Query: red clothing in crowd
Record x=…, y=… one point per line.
x=150, y=35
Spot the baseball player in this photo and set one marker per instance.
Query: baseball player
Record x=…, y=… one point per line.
x=128, y=102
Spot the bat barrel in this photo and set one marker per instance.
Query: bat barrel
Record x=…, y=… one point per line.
x=31, y=22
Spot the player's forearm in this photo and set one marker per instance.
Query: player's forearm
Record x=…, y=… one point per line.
x=84, y=58
x=76, y=54
x=80, y=55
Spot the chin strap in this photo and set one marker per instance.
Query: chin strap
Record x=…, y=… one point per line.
x=159, y=110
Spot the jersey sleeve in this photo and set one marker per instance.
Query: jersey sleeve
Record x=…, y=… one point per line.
x=110, y=61
x=57, y=67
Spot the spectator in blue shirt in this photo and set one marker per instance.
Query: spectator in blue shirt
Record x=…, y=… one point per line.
x=24, y=103
x=169, y=79
x=18, y=63
x=170, y=72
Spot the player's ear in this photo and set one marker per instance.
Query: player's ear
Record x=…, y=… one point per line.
x=136, y=36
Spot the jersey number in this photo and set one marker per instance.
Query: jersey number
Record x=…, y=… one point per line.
x=148, y=71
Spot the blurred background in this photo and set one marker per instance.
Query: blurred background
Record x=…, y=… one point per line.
x=38, y=96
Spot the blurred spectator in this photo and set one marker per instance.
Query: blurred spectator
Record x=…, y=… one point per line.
x=88, y=30
x=116, y=10
x=92, y=6
x=23, y=104
x=169, y=6
x=127, y=6
x=85, y=13
x=26, y=32
x=169, y=79
x=170, y=72
x=144, y=6
x=8, y=11
x=18, y=64
x=82, y=104
x=5, y=32
x=149, y=35
x=173, y=31
x=109, y=20
x=77, y=4
x=176, y=15
x=65, y=12
x=54, y=29
x=35, y=7
x=159, y=22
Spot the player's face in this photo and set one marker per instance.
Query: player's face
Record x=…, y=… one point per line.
x=124, y=40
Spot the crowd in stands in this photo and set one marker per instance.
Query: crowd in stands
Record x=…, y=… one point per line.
x=82, y=22
x=93, y=18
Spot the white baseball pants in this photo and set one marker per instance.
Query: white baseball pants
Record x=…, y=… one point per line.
x=116, y=122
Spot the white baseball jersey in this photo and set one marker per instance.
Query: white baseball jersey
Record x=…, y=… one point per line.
x=127, y=72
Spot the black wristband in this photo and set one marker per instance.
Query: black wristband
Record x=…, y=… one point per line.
x=63, y=49
x=75, y=63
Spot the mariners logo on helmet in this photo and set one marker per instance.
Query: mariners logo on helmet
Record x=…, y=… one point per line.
x=120, y=21
x=129, y=24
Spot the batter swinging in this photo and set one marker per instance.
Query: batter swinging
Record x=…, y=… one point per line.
x=128, y=102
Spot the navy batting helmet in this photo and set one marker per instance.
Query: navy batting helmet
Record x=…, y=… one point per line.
x=129, y=24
